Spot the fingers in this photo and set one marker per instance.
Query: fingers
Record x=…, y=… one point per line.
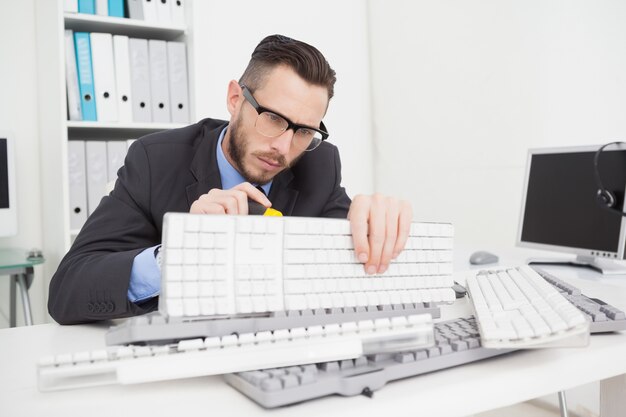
x=358, y=216
x=216, y=202
x=380, y=228
x=203, y=207
x=391, y=233
x=252, y=192
x=377, y=233
x=233, y=201
x=404, y=228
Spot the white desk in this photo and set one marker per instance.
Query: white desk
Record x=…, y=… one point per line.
x=460, y=391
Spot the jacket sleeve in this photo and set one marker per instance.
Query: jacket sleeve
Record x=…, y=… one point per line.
x=92, y=280
x=338, y=203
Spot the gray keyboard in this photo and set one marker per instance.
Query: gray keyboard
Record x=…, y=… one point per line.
x=457, y=343
x=604, y=317
x=158, y=329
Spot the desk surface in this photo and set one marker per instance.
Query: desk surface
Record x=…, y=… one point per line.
x=464, y=390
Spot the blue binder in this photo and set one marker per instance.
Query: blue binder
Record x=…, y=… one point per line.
x=116, y=8
x=87, y=6
x=85, y=76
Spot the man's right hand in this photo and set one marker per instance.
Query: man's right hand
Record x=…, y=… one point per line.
x=233, y=201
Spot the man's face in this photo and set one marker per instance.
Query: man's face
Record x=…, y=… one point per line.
x=259, y=158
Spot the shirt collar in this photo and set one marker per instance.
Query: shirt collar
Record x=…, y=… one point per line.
x=229, y=175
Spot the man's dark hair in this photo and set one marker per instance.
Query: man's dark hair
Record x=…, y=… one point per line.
x=304, y=59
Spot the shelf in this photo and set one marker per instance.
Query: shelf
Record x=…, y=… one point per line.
x=121, y=26
x=105, y=130
x=123, y=126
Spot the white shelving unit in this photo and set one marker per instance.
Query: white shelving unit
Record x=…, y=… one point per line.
x=54, y=128
x=121, y=26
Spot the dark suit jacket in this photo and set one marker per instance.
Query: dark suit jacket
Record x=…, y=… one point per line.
x=168, y=171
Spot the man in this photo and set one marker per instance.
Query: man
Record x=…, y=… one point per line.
x=275, y=140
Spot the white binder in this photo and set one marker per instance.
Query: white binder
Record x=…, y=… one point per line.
x=102, y=7
x=135, y=9
x=177, y=9
x=179, y=88
x=116, y=152
x=159, y=85
x=71, y=78
x=164, y=14
x=150, y=10
x=104, y=76
x=143, y=10
x=70, y=6
x=78, y=183
x=122, y=78
x=140, y=79
x=96, y=154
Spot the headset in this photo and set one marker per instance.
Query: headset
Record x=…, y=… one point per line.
x=605, y=198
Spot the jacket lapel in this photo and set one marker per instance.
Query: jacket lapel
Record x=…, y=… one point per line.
x=204, y=165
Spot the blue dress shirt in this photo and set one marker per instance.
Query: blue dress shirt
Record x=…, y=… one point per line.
x=145, y=275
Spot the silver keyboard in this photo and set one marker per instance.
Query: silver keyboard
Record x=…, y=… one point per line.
x=225, y=266
x=517, y=308
x=234, y=353
x=158, y=329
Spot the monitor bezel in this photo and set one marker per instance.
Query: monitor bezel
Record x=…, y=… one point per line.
x=618, y=255
x=8, y=216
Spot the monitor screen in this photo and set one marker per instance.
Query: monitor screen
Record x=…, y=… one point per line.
x=8, y=206
x=4, y=174
x=560, y=210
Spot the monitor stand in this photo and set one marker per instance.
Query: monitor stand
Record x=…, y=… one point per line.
x=604, y=266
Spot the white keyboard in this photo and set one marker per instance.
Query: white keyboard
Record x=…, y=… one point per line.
x=216, y=265
x=517, y=308
x=235, y=353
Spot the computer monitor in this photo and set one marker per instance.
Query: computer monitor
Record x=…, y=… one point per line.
x=560, y=211
x=8, y=204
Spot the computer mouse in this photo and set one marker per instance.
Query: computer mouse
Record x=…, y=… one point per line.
x=482, y=257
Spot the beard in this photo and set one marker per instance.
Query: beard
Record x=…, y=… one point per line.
x=237, y=150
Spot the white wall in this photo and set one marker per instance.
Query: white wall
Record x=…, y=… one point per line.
x=461, y=90
x=18, y=113
x=226, y=32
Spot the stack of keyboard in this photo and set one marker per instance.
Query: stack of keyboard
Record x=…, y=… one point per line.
x=457, y=342
x=274, y=292
x=287, y=295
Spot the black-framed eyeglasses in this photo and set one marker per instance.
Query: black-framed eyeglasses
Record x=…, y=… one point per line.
x=272, y=124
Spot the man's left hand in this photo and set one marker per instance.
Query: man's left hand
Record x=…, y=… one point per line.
x=380, y=228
